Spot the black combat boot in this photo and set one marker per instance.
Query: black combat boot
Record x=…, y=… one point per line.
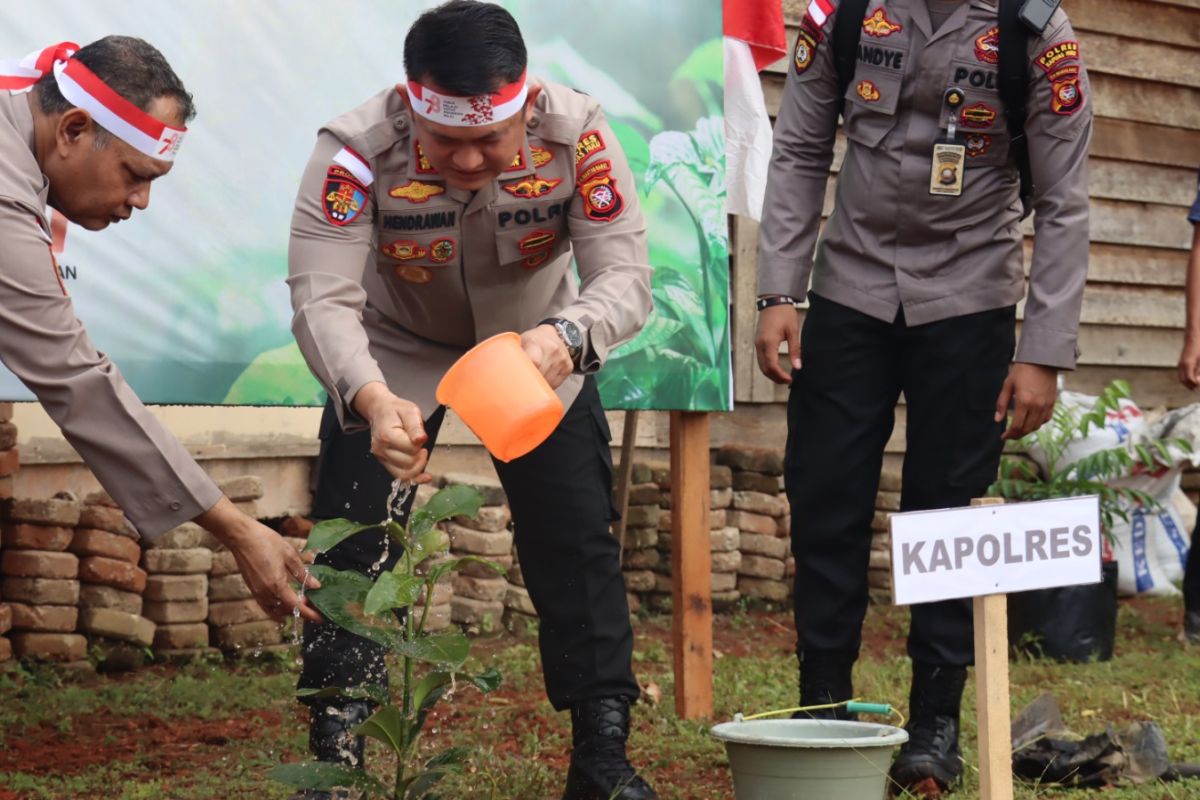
x=599, y=769
x=1191, y=626
x=825, y=677
x=931, y=752
x=329, y=739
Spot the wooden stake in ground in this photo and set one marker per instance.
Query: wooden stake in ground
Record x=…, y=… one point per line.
x=691, y=565
x=624, y=471
x=992, y=691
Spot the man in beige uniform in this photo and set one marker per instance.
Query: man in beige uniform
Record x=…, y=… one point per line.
x=437, y=214
x=68, y=143
x=914, y=290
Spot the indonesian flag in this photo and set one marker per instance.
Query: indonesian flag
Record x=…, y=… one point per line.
x=754, y=37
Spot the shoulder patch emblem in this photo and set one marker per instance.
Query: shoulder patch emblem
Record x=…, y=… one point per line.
x=806, y=49
x=594, y=171
x=1066, y=95
x=414, y=274
x=532, y=187
x=601, y=200
x=343, y=198
x=421, y=164
x=541, y=156
x=987, y=47
x=978, y=144
x=868, y=91
x=416, y=191
x=538, y=240
x=442, y=250
x=404, y=250
x=980, y=115
x=1056, y=54
x=879, y=26
x=590, y=142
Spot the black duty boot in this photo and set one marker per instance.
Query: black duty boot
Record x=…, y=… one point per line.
x=1191, y=627
x=329, y=739
x=599, y=769
x=930, y=762
x=825, y=677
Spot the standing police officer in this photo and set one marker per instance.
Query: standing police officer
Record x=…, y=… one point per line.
x=440, y=212
x=86, y=131
x=914, y=290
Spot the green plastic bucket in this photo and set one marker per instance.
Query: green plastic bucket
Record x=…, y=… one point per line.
x=808, y=759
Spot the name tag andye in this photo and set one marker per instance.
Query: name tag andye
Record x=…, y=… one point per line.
x=967, y=552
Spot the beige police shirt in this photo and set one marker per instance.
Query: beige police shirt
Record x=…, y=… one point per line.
x=394, y=274
x=890, y=243
x=142, y=466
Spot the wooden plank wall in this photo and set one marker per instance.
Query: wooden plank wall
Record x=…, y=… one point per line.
x=1143, y=57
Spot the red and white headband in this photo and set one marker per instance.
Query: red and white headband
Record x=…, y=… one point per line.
x=83, y=89
x=468, y=112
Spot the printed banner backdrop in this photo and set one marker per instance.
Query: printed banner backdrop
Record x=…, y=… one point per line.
x=188, y=298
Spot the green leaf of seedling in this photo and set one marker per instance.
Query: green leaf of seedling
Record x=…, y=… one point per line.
x=453, y=756
x=449, y=649
x=326, y=535
x=366, y=692
x=323, y=775
x=386, y=725
x=395, y=530
x=454, y=501
x=440, y=570
x=430, y=543
x=392, y=591
x=341, y=598
x=428, y=688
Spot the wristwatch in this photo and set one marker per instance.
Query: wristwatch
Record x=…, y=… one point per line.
x=569, y=333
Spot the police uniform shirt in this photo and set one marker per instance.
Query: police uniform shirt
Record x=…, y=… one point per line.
x=394, y=273
x=890, y=243
x=143, y=467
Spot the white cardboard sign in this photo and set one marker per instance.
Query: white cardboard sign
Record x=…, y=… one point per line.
x=968, y=552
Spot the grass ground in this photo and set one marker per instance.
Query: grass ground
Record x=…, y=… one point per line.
x=211, y=731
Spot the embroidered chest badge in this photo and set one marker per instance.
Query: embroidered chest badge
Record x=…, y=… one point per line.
x=980, y=115
x=879, y=26
x=541, y=156
x=532, y=187
x=442, y=250
x=404, y=250
x=987, y=47
x=868, y=91
x=416, y=191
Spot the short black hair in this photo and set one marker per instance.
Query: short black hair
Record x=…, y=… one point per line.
x=133, y=68
x=466, y=47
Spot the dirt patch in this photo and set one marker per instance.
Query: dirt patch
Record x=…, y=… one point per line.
x=101, y=740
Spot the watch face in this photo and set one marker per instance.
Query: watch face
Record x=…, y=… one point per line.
x=571, y=334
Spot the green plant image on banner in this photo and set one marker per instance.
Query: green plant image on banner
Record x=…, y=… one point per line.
x=189, y=298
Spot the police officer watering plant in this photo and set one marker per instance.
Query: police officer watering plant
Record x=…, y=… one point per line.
x=442, y=211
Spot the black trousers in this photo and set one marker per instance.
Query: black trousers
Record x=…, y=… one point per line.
x=560, y=496
x=840, y=415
